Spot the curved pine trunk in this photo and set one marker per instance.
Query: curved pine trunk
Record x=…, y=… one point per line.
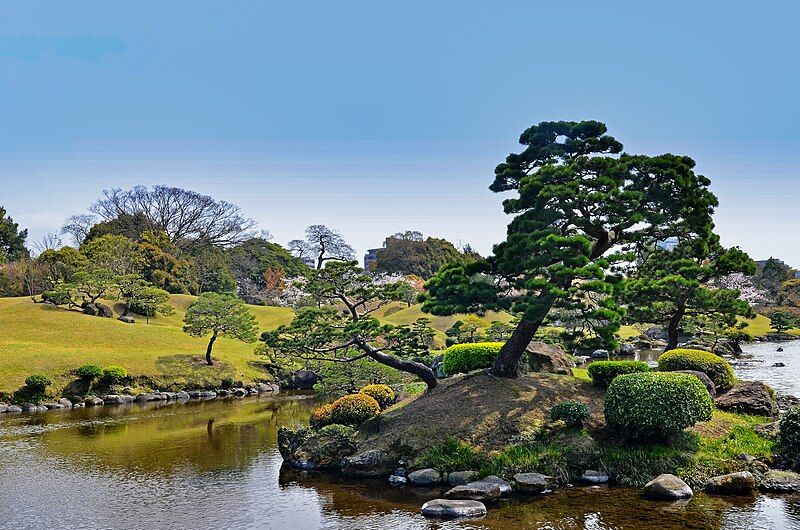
x=411, y=367
x=672, y=329
x=209, y=360
x=507, y=361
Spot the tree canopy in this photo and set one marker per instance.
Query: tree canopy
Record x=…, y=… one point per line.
x=409, y=253
x=12, y=239
x=579, y=207
x=321, y=245
x=220, y=315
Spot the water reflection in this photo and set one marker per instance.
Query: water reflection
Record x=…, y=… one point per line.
x=215, y=465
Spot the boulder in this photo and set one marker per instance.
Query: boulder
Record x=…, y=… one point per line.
x=531, y=482
x=453, y=509
x=265, y=388
x=144, y=397
x=29, y=407
x=395, y=480
x=780, y=481
x=627, y=349
x=425, y=477
x=14, y=408
x=324, y=450
x=476, y=491
x=181, y=396
x=118, y=399
x=707, y=382
x=90, y=309
x=733, y=483
x=595, y=477
x=600, y=354
x=127, y=319
x=768, y=430
x=656, y=333
x=400, y=472
x=92, y=401
x=3, y=407
x=552, y=358
x=749, y=397
x=305, y=379
x=53, y=406
x=458, y=478
x=239, y=392
x=505, y=486
x=67, y=403
x=103, y=310
x=372, y=463
x=667, y=487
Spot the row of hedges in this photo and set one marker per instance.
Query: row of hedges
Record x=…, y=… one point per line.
x=603, y=372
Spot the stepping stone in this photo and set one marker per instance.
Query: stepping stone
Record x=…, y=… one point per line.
x=452, y=509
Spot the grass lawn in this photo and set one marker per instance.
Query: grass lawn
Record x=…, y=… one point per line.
x=36, y=338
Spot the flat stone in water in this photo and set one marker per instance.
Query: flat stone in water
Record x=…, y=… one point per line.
x=595, y=477
x=425, y=477
x=458, y=478
x=668, y=487
x=733, y=483
x=531, y=482
x=476, y=491
x=452, y=509
x=780, y=481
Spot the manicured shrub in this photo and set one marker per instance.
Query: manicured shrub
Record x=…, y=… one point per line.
x=89, y=372
x=383, y=394
x=354, y=409
x=572, y=413
x=113, y=375
x=656, y=405
x=789, y=434
x=227, y=382
x=603, y=372
x=34, y=390
x=321, y=416
x=37, y=382
x=714, y=366
x=462, y=358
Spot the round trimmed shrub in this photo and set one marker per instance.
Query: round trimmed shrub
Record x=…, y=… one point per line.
x=321, y=416
x=572, y=413
x=603, y=372
x=89, y=372
x=789, y=434
x=714, y=366
x=656, y=405
x=462, y=358
x=37, y=382
x=114, y=374
x=354, y=409
x=383, y=394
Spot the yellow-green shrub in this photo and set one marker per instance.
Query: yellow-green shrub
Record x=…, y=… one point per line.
x=383, y=394
x=603, y=372
x=354, y=409
x=322, y=416
x=462, y=358
x=714, y=366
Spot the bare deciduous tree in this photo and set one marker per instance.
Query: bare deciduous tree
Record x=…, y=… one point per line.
x=185, y=216
x=78, y=227
x=322, y=244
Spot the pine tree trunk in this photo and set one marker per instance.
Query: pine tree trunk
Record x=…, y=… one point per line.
x=209, y=360
x=507, y=360
x=672, y=330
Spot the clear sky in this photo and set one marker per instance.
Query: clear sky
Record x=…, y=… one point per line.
x=374, y=117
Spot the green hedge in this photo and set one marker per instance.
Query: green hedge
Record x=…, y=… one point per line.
x=656, y=405
x=603, y=372
x=714, y=366
x=462, y=358
x=572, y=413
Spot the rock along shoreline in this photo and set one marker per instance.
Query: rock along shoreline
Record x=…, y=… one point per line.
x=144, y=397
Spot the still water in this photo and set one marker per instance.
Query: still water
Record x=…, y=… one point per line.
x=215, y=464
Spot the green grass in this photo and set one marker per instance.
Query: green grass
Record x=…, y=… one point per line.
x=760, y=326
x=37, y=338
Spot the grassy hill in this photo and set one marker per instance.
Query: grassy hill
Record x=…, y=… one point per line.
x=37, y=338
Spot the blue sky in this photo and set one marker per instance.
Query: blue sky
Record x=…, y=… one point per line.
x=374, y=117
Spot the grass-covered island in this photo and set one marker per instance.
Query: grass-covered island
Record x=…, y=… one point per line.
x=479, y=437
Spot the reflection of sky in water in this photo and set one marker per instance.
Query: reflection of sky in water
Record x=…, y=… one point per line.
x=215, y=465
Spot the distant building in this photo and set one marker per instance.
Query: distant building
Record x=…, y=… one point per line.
x=763, y=262
x=371, y=259
x=669, y=244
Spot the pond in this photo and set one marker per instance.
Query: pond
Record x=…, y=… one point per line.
x=215, y=464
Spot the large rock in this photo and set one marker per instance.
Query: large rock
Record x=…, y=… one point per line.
x=323, y=449
x=707, y=382
x=668, y=487
x=425, y=477
x=505, y=486
x=118, y=399
x=372, y=463
x=552, y=358
x=67, y=403
x=476, y=491
x=627, y=349
x=305, y=379
x=127, y=319
x=14, y=408
x=531, y=482
x=92, y=401
x=103, y=310
x=594, y=477
x=145, y=397
x=780, y=481
x=3, y=407
x=733, y=483
x=459, y=478
x=749, y=397
x=90, y=309
x=656, y=332
x=453, y=509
